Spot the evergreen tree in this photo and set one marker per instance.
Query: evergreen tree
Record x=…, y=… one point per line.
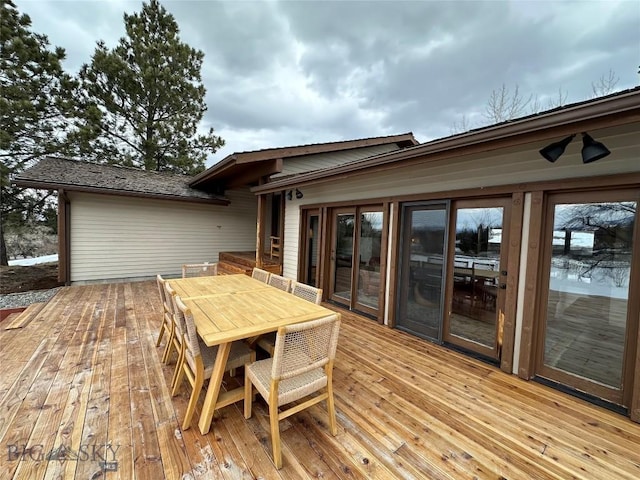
x=34, y=107
x=143, y=100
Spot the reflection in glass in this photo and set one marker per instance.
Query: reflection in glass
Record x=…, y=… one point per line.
x=344, y=255
x=589, y=290
x=476, y=273
x=312, y=249
x=422, y=270
x=369, y=246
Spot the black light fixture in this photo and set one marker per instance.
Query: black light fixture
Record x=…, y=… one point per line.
x=592, y=150
x=298, y=194
x=553, y=151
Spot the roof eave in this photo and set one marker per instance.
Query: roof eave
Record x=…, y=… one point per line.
x=550, y=121
x=26, y=183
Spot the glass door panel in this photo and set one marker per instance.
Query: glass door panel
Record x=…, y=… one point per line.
x=369, y=252
x=423, y=249
x=342, y=256
x=311, y=246
x=586, y=332
x=473, y=319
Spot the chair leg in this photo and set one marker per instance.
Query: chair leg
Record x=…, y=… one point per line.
x=178, y=373
x=275, y=434
x=167, y=349
x=178, y=381
x=191, y=408
x=248, y=397
x=161, y=334
x=331, y=410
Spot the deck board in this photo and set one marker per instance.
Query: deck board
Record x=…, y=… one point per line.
x=85, y=371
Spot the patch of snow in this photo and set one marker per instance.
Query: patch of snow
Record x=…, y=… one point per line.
x=34, y=261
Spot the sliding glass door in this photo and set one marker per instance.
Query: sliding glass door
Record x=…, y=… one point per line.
x=477, y=280
x=423, y=250
x=588, y=331
x=356, y=258
x=452, y=272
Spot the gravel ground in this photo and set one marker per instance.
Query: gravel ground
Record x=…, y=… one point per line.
x=24, y=299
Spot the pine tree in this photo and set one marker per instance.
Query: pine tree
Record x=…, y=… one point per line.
x=34, y=108
x=143, y=100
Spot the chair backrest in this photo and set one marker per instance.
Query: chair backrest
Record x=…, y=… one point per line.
x=178, y=317
x=309, y=293
x=261, y=275
x=279, y=282
x=305, y=346
x=191, y=338
x=199, y=270
x=161, y=282
x=484, y=266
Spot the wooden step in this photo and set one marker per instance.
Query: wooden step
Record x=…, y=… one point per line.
x=244, y=262
x=19, y=320
x=229, y=268
x=248, y=259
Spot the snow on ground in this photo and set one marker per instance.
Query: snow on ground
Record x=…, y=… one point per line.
x=34, y=261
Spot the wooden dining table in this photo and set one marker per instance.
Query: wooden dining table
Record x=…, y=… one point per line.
x=227, y=308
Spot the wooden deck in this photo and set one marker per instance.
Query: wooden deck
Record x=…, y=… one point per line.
x=83, y=393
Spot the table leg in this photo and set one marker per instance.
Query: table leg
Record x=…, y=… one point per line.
x=215, y=383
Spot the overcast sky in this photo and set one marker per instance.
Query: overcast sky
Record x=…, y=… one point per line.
x=281, y=73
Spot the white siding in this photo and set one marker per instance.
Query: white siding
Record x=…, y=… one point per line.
x=309, y=163
x=291, y=240
x=122, y=237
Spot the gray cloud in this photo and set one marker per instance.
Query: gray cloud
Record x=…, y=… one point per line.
x=290, y=72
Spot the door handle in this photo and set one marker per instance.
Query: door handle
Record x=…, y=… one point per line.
x=503, y=286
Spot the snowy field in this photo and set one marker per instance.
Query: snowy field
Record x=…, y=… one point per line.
x=34, y=261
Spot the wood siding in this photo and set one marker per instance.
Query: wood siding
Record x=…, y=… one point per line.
x=119, y=237
x=309, y=163
x=511, y=166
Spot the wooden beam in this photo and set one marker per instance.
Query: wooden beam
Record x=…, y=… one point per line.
x=64, y=238
x=529, y=323
x=262, y=202
x=513, y=268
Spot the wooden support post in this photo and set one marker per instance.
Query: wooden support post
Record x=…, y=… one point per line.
x=259, y=230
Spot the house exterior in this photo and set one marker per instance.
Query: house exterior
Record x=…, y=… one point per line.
x=478, y=242
x=118, y=223
x=474, y=241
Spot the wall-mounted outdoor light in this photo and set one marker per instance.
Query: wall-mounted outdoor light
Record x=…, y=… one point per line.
x=298, y=194
x=591, y=150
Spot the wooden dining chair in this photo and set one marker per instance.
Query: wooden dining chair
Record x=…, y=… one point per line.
x=199, y=359
x=267, y=342
x=307, y=292
x=199, y=270
x=165, y=327
x=172, y=342
x=178, y=331
x=280, y=282
x=302, y=364
x=260, y=274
